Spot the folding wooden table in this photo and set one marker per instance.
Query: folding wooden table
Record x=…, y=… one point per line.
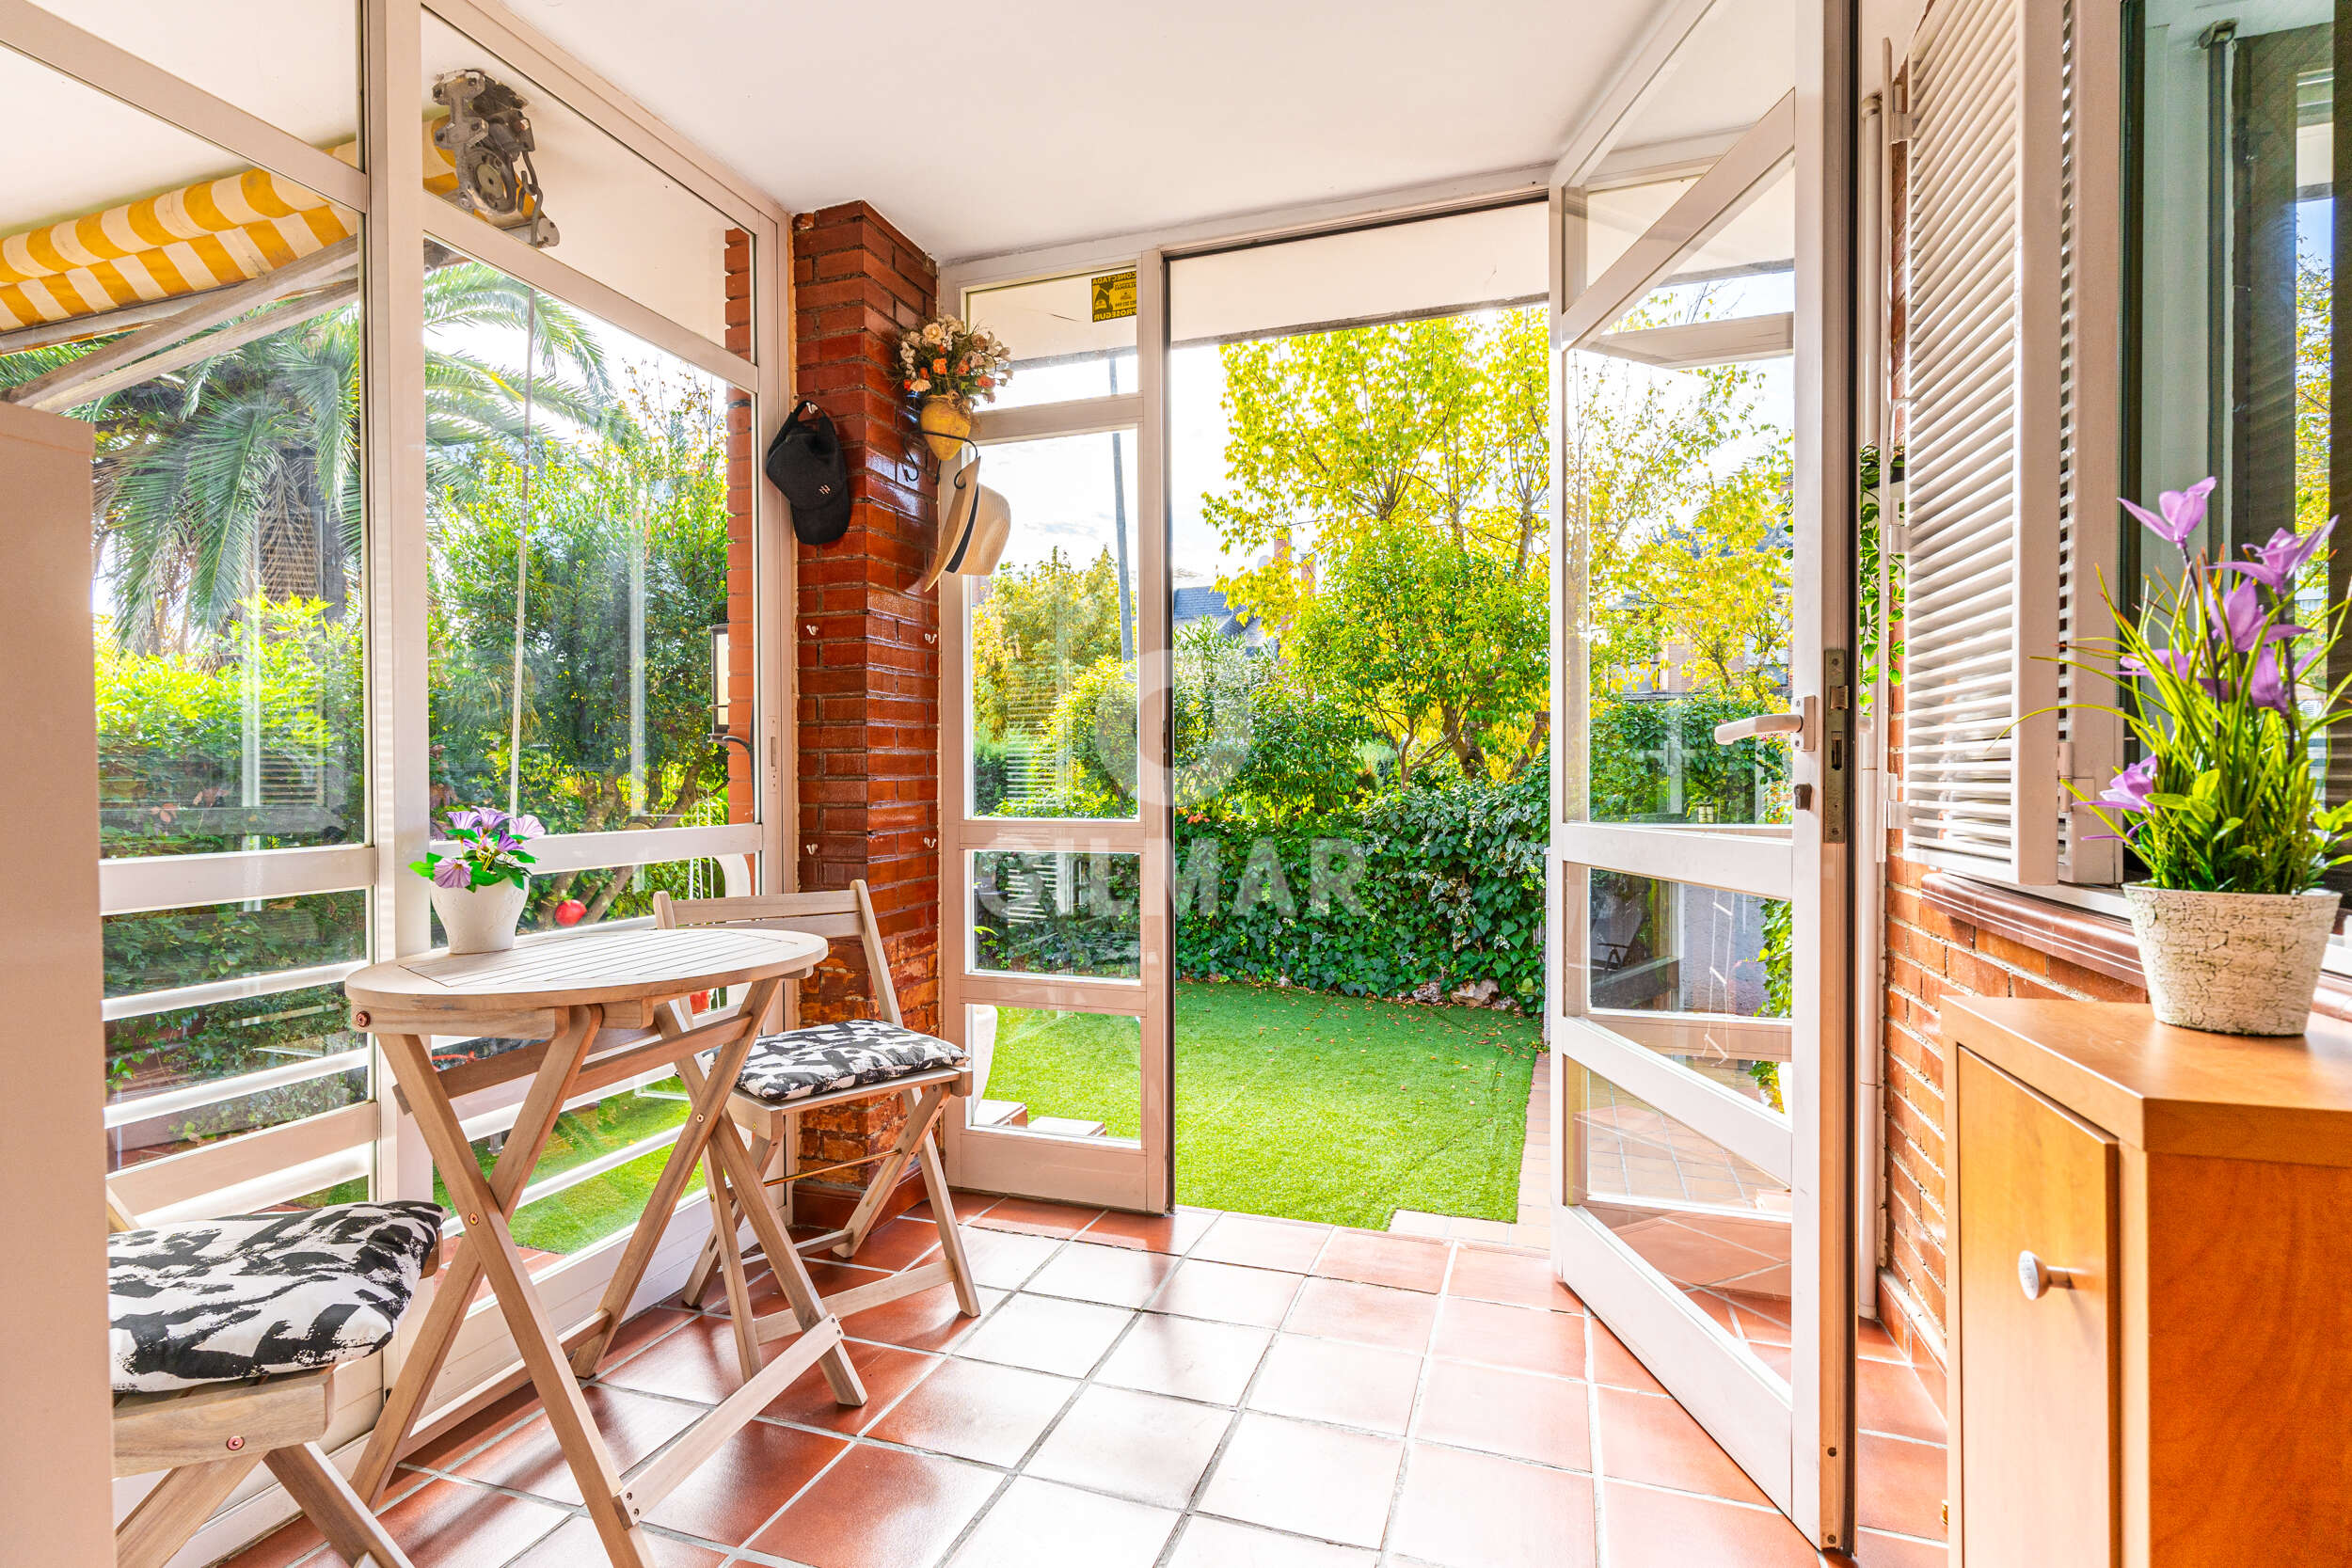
x=609, y=1006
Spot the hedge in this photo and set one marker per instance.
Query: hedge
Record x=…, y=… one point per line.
x=1427, y=883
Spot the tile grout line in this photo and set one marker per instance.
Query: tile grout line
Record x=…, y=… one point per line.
x=1412, y=1415
x=1593, y=1440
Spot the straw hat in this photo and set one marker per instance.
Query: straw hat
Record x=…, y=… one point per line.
x=973, y=523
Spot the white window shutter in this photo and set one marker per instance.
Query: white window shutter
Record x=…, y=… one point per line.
x=1981, y=456
x=2090, y=742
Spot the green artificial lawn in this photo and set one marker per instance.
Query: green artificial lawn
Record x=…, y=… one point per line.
x=582, y=1215
x=1304, y=1105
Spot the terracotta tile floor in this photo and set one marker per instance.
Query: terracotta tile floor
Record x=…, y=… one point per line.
x=1203, y=1391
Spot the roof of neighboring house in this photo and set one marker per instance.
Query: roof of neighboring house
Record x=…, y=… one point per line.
x=1198, y=604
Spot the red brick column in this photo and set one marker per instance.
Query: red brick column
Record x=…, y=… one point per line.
x=868, y=645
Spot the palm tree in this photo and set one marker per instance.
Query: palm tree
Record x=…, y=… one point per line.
x=241, y=473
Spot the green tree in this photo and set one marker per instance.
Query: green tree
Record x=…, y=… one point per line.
x=1710, y=594
x=1430, y=640
x=207, y=472
x=1038, y=629
x=627, y=562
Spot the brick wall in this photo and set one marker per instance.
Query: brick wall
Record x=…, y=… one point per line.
x=1930, y=953
x=868, y=645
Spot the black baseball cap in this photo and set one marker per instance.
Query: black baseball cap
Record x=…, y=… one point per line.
x=804, y=461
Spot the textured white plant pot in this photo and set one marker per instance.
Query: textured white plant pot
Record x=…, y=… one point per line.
x=479, y=919
x=2234, y=963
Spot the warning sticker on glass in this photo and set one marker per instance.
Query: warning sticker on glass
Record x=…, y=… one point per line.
x=1114, y=296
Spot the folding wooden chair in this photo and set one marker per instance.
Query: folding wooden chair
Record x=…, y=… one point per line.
x=806, y=1069
x=225, y=1337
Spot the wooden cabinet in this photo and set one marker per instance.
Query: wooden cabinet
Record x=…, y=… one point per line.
x=2150, y=1290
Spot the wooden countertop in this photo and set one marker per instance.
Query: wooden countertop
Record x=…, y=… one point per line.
x=2172, y=1092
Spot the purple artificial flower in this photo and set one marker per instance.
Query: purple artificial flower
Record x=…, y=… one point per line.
x=452, y=873
x=2238, y=615
x=2183, y=511
x=2272, y=687
x=2131, y=787
x=2274, y=565
x=2170, y=658
x=526, y=825
x=459, y=821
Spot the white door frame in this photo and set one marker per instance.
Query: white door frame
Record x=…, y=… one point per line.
x=1119, y=1173
x=1795, y=1441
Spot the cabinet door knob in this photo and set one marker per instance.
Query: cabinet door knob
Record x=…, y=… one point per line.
x=2035, y=1277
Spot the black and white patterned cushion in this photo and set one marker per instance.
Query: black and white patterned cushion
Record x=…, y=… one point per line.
x=219, y=1299
x=822, y=1058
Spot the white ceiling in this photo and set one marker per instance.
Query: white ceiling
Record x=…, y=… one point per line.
x=996, y=124
x=999, y=124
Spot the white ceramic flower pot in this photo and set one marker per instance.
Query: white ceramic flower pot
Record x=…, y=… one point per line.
x=480, y=919
x=2234, y=963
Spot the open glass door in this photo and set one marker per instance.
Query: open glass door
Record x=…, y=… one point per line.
x=1052, y=853
x=1702, y=648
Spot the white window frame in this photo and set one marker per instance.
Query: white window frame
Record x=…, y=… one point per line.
x=372, y=1136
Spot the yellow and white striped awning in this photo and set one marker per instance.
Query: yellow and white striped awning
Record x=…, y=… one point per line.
x=198, y=237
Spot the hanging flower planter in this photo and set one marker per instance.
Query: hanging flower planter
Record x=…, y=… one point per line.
x=946, y=424
x=947, y=366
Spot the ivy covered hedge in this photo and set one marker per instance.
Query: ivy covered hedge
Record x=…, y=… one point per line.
x=1424, y=884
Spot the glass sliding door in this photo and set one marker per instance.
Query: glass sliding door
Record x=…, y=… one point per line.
x=1053, y=818
x=1702, y=1189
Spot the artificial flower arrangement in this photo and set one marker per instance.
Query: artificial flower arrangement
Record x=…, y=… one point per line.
x=492, y=851
x=945, y=359
x=2223, y=807
x=480, y=891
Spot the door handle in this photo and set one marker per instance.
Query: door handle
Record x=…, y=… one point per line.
x=1762, y=724
x=2036, y=1277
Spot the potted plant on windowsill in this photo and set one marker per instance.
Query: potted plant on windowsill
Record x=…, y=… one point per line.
x=2223, y=808
x=946, y=366
x=479, y=892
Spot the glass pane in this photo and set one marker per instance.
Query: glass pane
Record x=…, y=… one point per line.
x=584, y=1213
x=1746, y=268
x=2236, y=379
x=157, y=1052
x=610, y=212
x=1075, y=1075
x=356, y=1190
x=599, y=487
x=1679, y=508
x=1070, y=338
x=305, y=80
x=226, y=520
x=1670, y=946
x=1715, y=1225
x=1058, y=913
x=1053, y=634
x=161, y=949
x=1614, y=219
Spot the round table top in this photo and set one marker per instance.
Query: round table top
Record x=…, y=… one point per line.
x=586, y=969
